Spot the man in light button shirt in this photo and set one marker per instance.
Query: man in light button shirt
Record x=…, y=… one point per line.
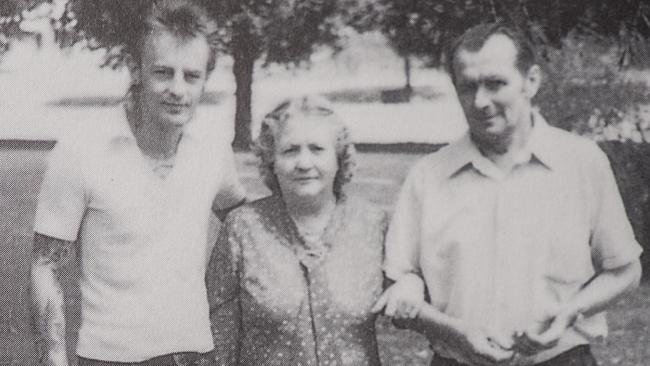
x=518, y=229
x=136, y=195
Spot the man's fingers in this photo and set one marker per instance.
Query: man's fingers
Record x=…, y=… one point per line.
x=545, y=340
x=501, y=341
x=483, y=352
x=391, y=308
x=381, y=302
x=406, y=310
x=525, y=345
x=534, y=342
x=415, y=310
x=489, y=355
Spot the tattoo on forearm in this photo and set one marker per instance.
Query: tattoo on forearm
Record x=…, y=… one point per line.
x=50, y=250
x=48, y=316
x=49, y=331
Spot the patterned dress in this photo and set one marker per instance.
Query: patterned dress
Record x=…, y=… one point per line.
x=278, y=299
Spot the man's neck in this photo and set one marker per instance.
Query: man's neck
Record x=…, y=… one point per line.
x=506, y=154
x=156, y=140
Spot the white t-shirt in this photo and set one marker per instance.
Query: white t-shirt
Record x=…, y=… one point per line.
x=143, y=238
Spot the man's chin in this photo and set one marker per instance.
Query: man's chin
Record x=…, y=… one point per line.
x=177, y=120
x=490, y=140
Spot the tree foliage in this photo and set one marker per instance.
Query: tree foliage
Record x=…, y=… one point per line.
x=425, y=27
x=14, y=7
x=270, y=31
x=10, y=11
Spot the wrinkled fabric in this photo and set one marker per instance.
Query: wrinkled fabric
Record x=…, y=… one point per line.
x=578, y=356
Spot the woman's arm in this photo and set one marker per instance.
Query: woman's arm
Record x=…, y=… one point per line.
x=222, y=282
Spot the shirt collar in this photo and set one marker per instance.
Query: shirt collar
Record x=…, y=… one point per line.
x=464, y=153
x=542, y=143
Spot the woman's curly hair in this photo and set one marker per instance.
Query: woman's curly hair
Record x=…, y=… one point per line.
x=294, y=108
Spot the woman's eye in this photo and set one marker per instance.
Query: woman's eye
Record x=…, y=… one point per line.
x=316, y=148
x=289, y=150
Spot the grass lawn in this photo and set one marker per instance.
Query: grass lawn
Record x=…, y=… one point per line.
x=378, y=179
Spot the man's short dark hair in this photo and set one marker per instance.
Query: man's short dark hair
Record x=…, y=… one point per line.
x=184, y=18
x=474, y=39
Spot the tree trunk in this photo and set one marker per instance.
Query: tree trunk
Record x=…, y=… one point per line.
x=243, y=70
x=407, y=71
x=408, y=90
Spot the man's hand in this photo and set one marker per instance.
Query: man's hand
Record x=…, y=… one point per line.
x=539, y=338
x=403, y=299
x=474, y=346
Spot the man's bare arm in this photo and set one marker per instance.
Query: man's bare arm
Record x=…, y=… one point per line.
x=48, y=316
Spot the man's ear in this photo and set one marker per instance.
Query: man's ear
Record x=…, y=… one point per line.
x=533, y=81
x=135, y=69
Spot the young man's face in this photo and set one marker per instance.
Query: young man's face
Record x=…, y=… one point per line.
x=173, y=74
x=495, y=95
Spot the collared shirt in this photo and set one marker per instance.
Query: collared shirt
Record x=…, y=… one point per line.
x=143, y=239
x=502, y=250
x=277, y=299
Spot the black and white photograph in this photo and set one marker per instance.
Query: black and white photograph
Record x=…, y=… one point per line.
x=324, y=183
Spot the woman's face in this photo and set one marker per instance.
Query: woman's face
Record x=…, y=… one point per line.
x=305, y=157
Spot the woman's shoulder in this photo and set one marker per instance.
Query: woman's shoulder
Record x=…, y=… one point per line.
x=259, y=211
x=256, y=207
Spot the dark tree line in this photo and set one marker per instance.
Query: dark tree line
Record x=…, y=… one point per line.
x=425, y=27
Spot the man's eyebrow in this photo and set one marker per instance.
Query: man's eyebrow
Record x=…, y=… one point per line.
x=492, y=77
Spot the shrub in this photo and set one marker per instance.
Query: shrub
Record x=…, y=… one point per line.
x=632, y=169
x=584, y=92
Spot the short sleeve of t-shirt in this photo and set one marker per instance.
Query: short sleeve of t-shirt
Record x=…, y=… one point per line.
x=231, y=191
x=612, y=238
x=62, y=198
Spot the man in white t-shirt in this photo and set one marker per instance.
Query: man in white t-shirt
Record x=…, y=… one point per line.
x=136, y=195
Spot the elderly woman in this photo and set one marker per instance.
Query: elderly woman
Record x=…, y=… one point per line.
x=294, y=276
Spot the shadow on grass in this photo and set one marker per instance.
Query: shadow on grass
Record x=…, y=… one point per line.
x=374, y=95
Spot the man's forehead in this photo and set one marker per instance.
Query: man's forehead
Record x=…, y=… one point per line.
x=497, y=54
x=169, y=38
x=162, y=45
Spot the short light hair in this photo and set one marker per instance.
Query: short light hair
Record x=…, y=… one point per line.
x=474, y=39
x=186, y=19
x=294, y=109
